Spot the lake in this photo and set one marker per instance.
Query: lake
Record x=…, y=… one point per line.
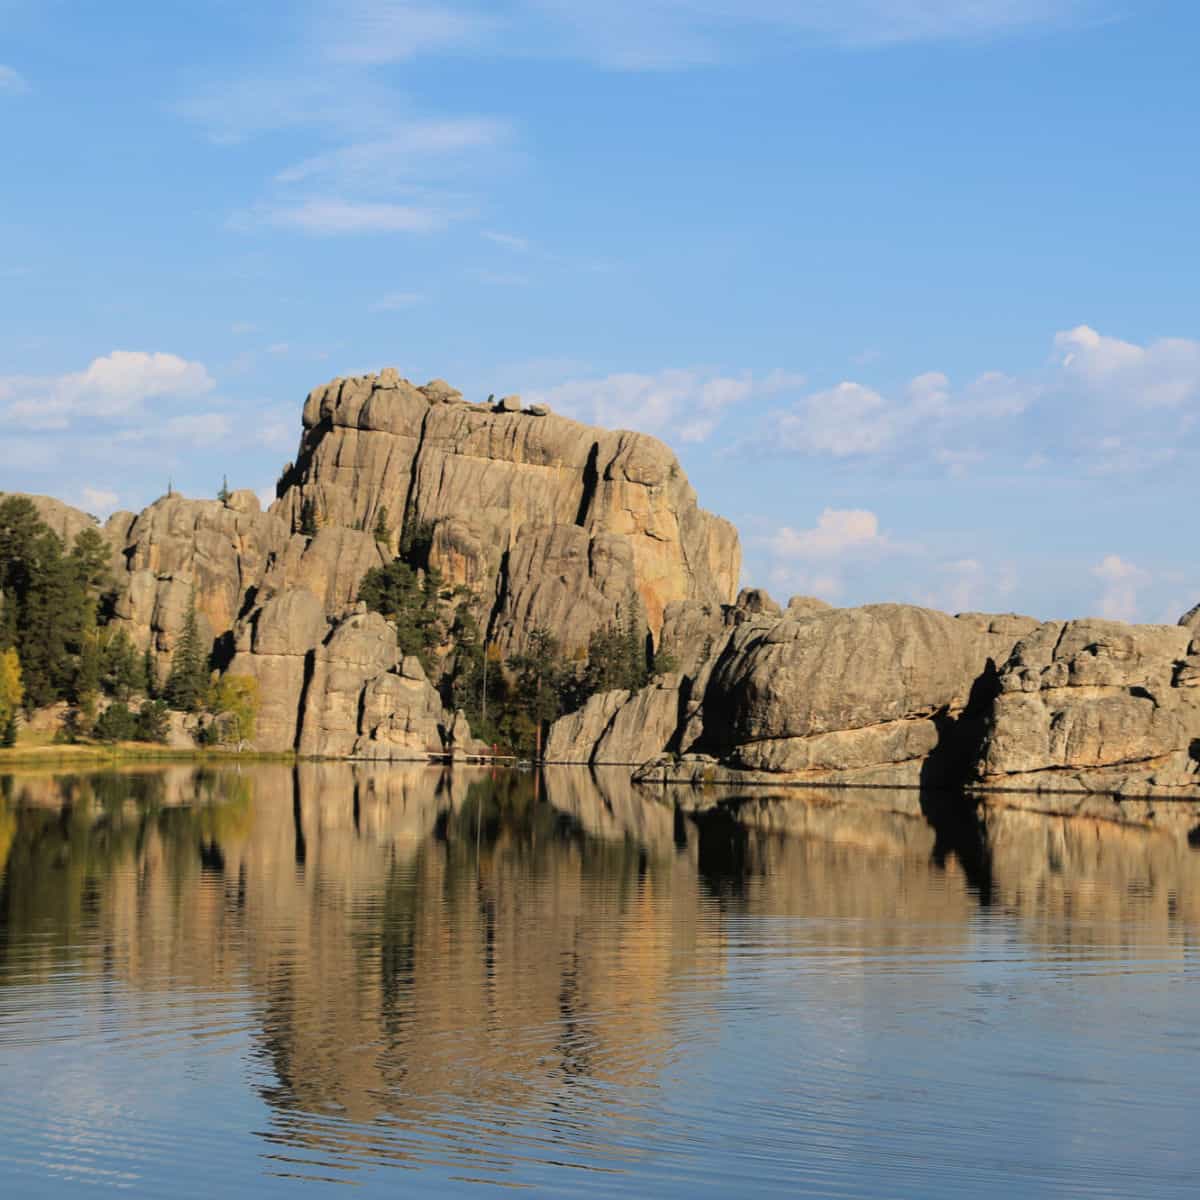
x=284, y=980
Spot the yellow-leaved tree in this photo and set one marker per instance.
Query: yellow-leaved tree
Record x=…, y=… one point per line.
x=234, y=703
x=12, y=694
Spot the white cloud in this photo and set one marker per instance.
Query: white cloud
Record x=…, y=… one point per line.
x=838, y=532
x=277, y=429
x=680, y=405
x=200, y=427
x=12, y=81
x=99, y=501
x=1122, y=581
x=1113, y=406
x=844, y=420
x=406, y=153
x=117, y=385
x=1162, y=374
x=332, y=217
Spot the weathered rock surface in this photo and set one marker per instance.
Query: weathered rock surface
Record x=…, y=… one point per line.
x=551, y=522
x=362, y=699
x=1096, y=705
x=882, y=695
x=66, y=521
x=274, y=646
x=229, y=556
x=620, y=728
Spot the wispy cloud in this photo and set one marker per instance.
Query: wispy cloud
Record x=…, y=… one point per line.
x=332, y=217
x=1101, y=402
x=118, y=385
x=409, y=151
x=815, y=561
x=375, y=32
x=12, y=81
x=99, y=500
x=1121, y=582
x=510, y=241
x=673, y=34
x=683, y=404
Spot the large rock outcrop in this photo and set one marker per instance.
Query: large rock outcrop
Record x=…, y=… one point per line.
x=552, y=523
x=620, y=728
x=887, y=694
x=1096, y=706
x=227, y=556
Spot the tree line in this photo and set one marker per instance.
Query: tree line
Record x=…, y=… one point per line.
x=509, y=702
x=59, y=643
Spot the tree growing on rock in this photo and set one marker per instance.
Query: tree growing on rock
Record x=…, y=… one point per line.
x=187, y=682
x=409, y=600
x=382, y=531
x=309, y=523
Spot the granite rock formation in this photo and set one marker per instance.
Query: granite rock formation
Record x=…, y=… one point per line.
x=887, y=694
x=1097, y=706
x=550, y=522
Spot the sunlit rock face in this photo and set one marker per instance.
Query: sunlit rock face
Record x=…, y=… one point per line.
x=550, y=524
x=887, y=694
x=557, y=524
x=1097, y=706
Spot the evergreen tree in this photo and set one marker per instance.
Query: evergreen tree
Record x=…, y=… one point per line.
x=89, y=669
x=153, y=722
x=382, y=532
x=122, y=670
x=150, y=673
x=187, y=681
x=539, y=681
x=308, y=517
x=409, y=600
x=224, y=494
x=115, y=724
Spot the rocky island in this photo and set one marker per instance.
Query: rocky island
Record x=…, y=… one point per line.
x=540, y=531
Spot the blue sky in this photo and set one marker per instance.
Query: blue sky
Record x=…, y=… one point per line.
x=910, y=285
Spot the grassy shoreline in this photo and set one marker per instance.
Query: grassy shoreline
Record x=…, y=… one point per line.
x=87, y=754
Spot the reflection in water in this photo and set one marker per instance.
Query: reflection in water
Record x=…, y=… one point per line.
x=335, y=971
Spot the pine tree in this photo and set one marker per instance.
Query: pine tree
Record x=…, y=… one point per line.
x=122, y=671
x=224, y=494
x=383, y=533
x=308, y=517
x=187, y=682
x=150, y=673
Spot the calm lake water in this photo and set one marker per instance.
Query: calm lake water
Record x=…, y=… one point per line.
x=275, y=981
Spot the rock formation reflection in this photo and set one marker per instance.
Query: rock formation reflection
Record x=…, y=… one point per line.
x=422, y=953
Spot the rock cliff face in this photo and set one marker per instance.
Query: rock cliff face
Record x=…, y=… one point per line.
x=552, y=523
x=883, y=695
x=1097, y=706
x=548, y=522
